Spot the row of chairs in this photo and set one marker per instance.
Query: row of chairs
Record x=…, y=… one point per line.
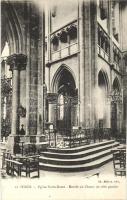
x=119, y=162
x=20, y=165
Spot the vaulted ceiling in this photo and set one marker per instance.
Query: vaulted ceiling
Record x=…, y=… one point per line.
x=3, y=26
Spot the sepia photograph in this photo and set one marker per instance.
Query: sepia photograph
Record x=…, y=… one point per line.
x=63, y=99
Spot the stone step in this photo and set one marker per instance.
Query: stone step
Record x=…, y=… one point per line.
x=74, y=161
x=75, y=168
x=80, y=148
x=80, y=154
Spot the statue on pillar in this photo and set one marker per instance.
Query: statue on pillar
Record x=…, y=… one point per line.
x=22, y=131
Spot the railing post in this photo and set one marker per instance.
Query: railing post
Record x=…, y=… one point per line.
x=22, y=147
x=70, y=140
x=55, y=136
x=49, y=137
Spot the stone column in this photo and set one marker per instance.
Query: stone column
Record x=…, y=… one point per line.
x=41, y=80
x=87, y=39
x=50, y=114
x=15, y=102
x=17, y=63
x=94, y=59
x=82, y=62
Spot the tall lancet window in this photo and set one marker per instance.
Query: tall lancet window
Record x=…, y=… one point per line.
x=61, y=106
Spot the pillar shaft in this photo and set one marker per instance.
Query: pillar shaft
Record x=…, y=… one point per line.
x=87, y=40
x=22, y=102
x=17, y=63
x=50, y=114
x=85, y=65
x=82, y=67
x=15, y=102
x=41, y=78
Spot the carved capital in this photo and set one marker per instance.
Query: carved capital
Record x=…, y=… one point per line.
x=17, y=61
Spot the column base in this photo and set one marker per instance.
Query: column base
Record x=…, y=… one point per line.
x=38, y=140
x=11, y=142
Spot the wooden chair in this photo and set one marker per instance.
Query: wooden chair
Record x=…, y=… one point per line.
x=15, y=165
x=33, y=165
x=12, y=167
x=5, y=165
x=119, y=163
x=30, y=164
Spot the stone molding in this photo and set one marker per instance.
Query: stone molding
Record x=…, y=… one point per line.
x=61, y=35
x=17, y=61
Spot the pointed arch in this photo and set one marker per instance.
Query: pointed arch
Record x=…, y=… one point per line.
x=101, y=99
x=103, y=79
x=63, y=83
x=116, y=84
x=58, y=75
x=14, y=35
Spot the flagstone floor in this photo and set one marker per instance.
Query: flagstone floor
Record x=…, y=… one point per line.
x=103, y=171
x=97, y=184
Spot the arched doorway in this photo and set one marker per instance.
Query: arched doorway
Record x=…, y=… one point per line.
x=65, y=114
x=115, y=107
x=102, y=108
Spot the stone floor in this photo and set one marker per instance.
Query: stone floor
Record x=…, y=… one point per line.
x=103, y=171
x=67, y=186
x=86, y=185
